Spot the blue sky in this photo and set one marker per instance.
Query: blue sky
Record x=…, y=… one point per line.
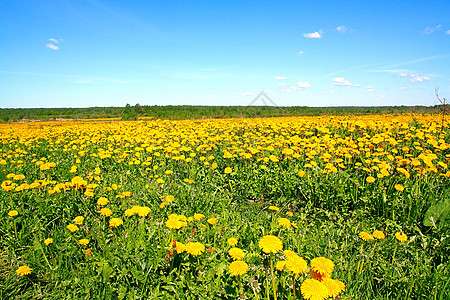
x=84, y=53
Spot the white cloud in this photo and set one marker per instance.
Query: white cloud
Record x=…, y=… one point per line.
x=313, y=35
x=447, y=32
x=303, y=85
x=403, y=88
x=429, y=30
x=245, y=94
x=53, y=40
x=340, y=81
x=415, y=77
x=280, y=78
x=51, y=46
x=341, y=29
x=282, y=84
x=369, y=88
x=300, y=53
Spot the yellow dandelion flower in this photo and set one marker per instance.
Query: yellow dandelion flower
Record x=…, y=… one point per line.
x=378, y=234
x=13, y=213
x=174, y=224
x=102, y=201
x=198, y=216
x=283, y=222
x=270, y=244
x=238, y=267
x=83, y=242
x=23, y=270
x=115, y=222
x=296, y=264
x=280, y=265
x=289, y=253
x=335, y=286
x=232, y=242
x=370, y=179
x=290, y=213
x=401, y=237
x=228, y=170
x=314, y=289
x=79, y=220
x=195, y=248
x=179, y=247
x=365, y=236
x=105, y=212
x=399, y=187
x=143, y=211
x=48, y=241
x=72, y=227
x=236, y=253
x=129, y=212
x=212, y=221
x=273, y=207
x=170, y=198
x=322, y=265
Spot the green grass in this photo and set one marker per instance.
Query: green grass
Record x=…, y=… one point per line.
x=134, y=261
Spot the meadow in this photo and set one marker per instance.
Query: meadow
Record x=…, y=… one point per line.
x=310, y=207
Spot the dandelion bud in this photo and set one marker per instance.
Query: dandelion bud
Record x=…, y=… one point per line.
x=223, y=228
x=167, y=256
x=209, y=250
x=88, y=252
x=194, y=230
x=171, y=252
x=174, y=243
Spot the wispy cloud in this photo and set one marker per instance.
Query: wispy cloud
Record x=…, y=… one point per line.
x=303, y=85
x=300, y=53
x=52, y=43
x=430, y=30
x=341, y=29
x=413, y=61
x=369, y=88
x=415, y=77
x=313, y=35
x=447, y=32
x=52, y=46
x=340, y=81
x=280, y=78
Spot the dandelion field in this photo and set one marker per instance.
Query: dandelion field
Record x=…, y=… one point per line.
x=349, y=207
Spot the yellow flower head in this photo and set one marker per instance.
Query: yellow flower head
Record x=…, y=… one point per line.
x=212, y=221
x=198, y=216
x=236, y=253
x=273, y=207
x=143, y=211
x=83, y=242
x=314, y=289
x=23, y=270
x=72, y=227
x=283, y=222
x=179, y=247
x=365, y=236
x=232, y=242
x=370, y=179
x=195, y=248
x=378, y=234
x=13, y=213
x=115, y=222
x=280, y=265
x=296, y=264
x=238, y=267
x=322, y=265
x=270, y=244
x=228, y=170
x=401, y=237
x=105, y=212
x=399, y=187
x=289, y=253
x=170, y=198
x=102, y=201
x=174, y=224
x=335, y=286
x=78, y=220
x=48, y=241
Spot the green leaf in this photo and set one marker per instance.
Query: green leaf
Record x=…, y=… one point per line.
x=437, y=212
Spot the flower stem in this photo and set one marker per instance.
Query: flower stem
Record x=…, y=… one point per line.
x=293, y=284
x=273, y=278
